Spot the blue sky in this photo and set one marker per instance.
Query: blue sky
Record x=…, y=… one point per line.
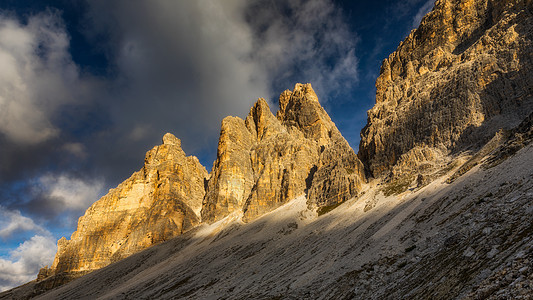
x=87, y=87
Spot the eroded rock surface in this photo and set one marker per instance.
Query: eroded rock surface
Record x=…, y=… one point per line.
x=464, y=74
x=266, y=160
x=160, y=201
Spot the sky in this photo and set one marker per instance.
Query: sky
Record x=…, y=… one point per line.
x=87, y=87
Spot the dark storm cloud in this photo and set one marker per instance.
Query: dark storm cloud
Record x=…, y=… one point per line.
x=183, y=66
x=174, y=67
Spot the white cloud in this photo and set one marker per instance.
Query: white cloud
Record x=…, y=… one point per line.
x=424, y=10
x=36, y=78
x=25, y=261
x=13, y=222
x=67, y=193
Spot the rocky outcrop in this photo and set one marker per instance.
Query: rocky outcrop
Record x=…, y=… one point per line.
x=266, y=160
x=464, y=74
x=158, y=202
x=262, y=162
x=518, y=138
x=232, y=178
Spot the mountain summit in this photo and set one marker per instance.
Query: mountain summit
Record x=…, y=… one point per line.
x=155, y=204
x=262, y=162
x=445, y=212
x=464, y=74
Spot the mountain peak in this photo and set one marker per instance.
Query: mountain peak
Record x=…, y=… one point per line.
x=301, y=110
x=170, y=139
x=464, y=74
x=260, y=121
x=305, y=91
x=301, y=93
x=269, y=161
x=156, y=203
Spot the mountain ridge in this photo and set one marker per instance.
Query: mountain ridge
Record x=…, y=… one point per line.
x=457, y=79
x=288, y=210
x=443, y=241
x=263, y=161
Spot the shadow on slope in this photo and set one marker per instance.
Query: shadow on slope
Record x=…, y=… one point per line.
x=438, y=242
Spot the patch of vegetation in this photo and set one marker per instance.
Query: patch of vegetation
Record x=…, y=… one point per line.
x=447, y=169
x=368, y=206
x=325, y=209
x=397, y=186
x=349, y=170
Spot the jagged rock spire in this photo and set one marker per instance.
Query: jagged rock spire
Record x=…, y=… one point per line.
x=158, y=202
x=276, y=159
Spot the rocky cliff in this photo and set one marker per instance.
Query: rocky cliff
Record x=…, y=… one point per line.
x=266, y=160
x=450, y=86
x=158, y=202
x=262, y=162
x=453, y=87
x=470, y=239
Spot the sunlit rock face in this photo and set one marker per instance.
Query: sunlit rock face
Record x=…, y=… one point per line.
x=262, y=162
x=451, y=85
x=266, y=160
x=158, y=202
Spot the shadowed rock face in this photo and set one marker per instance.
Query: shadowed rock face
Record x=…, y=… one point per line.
x=451, y=85
x=264, y=161
x=158, y=202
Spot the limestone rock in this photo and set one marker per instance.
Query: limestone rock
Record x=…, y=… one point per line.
x=265, y=161
x=232, y=176
x=464, y=74
x=158, y=202
x=339, y=176
x=518, y=138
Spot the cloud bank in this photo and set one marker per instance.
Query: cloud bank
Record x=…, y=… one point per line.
x=173, y=66
x=36, y=78
x=25, y=261
x=182, y=66
x=13, y=222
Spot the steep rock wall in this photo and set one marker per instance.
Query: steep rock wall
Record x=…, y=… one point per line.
x=158, y=202
x=451, y=85
x=266, y=160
